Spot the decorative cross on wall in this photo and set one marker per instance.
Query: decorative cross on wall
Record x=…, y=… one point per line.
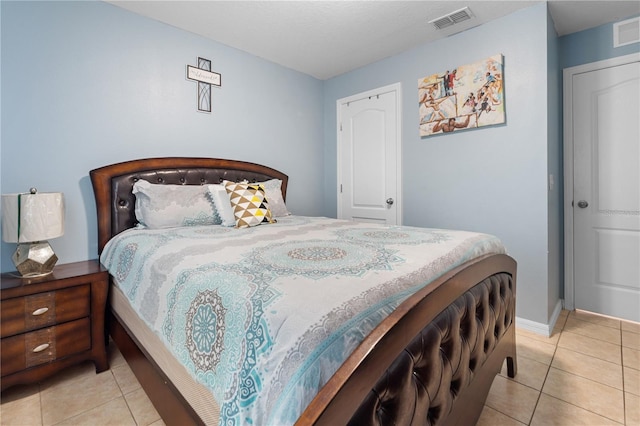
x=205, y=78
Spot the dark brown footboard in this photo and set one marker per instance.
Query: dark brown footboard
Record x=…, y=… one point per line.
x=437, y=368
x=409, y=373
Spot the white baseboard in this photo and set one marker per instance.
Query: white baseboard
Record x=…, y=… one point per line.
x=540, y=328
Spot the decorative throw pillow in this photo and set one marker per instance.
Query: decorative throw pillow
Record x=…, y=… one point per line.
x=221, y=202
x=273, y=192
x=167, y=206
x=249, y=203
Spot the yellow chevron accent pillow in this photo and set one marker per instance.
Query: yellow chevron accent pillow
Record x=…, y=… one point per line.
x=250, y=206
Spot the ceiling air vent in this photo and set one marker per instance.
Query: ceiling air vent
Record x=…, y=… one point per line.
x=626, y=32
x=452, y=18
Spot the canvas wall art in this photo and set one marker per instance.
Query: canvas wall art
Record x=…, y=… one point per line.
x=465, y=97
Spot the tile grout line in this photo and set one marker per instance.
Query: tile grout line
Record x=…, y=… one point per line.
x=624, y=399
x=555, y=349
x=95, y=406
x=539, y=391
x=594, y=338
x=591, y=380
x=40, y=404
x=122, y=394
x=130, y=412
x=535, y=407
x=619, y=327
x=583, y=408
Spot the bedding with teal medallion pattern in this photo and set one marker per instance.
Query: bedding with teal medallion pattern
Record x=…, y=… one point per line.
x=263, y=316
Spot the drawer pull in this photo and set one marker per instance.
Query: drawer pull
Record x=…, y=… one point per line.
x=40, y=311
x=41, y=347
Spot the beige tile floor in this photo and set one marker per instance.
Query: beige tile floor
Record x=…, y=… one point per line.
x=586, y=373
x=78, y=396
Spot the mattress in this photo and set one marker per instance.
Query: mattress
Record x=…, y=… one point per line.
x=199, y=397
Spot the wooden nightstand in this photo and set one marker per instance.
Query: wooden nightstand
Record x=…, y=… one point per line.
x=52, y=322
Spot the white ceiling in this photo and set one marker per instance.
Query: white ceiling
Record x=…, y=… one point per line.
x=328, y=38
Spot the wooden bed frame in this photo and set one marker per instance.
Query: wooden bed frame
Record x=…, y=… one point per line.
x=432, y=361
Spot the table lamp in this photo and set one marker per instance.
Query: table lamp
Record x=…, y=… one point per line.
x=30, y=220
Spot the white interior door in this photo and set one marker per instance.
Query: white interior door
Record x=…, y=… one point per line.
x=606, y=190
x=368, y=157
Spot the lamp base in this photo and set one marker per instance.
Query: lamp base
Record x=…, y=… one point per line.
x=34, y=259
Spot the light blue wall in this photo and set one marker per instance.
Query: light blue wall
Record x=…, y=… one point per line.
x=555, y=289
x=490, y=179
x=85, y=84
x=594, y=44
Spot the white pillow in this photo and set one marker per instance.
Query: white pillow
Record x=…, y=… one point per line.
x=273, y=193
x=167, y=206
x=222, y=204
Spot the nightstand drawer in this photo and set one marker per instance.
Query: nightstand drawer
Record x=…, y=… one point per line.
x=45, y=345
x=22, y=314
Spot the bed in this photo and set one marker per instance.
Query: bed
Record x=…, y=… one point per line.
x=424, y=347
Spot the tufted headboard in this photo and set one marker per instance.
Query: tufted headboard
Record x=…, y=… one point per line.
x=113, y=184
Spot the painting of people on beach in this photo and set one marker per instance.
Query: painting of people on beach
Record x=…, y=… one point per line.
x=465, y=97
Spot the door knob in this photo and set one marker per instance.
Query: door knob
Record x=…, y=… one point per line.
x=390, y=201
x=583, y=204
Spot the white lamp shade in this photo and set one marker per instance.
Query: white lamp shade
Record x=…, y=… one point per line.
x=32, y=217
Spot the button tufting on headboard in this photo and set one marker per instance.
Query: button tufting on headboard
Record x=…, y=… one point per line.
x=114, y=184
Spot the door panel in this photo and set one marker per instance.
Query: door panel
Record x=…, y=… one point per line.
x=606, y=194
x=367, y=128
x=368, y=157
x=618, y=254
